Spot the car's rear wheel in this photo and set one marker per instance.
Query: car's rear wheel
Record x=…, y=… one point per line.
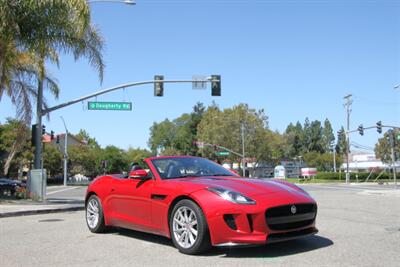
x=94, y=215
x=189, y=229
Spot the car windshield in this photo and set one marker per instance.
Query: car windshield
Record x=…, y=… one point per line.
x=181, y=167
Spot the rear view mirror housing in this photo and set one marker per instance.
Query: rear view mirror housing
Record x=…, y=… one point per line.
x=139, y=174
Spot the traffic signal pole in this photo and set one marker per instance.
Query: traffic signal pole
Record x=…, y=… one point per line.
x=215, y=80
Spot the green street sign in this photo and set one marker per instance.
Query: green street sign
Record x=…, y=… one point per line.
x=123, y=106
x=398, y=137
x=222, y=153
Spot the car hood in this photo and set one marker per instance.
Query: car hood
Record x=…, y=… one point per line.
x=246, y=186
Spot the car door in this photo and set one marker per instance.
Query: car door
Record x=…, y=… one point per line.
x=130, y=203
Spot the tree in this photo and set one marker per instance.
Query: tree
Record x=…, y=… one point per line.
x=316, y=142
x=116, y=159
x=341, y=143
x=224, y=128
x=13, y=140
x=136, y=154
x=34, y=32
x=383, y=146
x=321, y=161
x=328, y=138
x=84, y=160
x=177, y=135
x=85, y=138
x=52, y=160
x=293, y=140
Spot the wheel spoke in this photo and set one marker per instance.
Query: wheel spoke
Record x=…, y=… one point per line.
x=178, y=222
x=192, y=238
x=193, y=231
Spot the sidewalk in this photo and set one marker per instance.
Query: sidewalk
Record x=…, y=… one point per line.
x=12, y=208
x=56, y=201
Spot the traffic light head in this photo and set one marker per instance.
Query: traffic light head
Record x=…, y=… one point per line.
x=33, y=140
x=216, y=85
x=159, y=86
x=43, y=129
x=52, y=135
x=361, y=129
x=57, y=139
x=379, y=127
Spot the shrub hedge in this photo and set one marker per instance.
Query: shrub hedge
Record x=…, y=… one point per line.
x=353, y=176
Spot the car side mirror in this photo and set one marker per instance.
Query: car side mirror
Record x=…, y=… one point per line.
x=139, y=174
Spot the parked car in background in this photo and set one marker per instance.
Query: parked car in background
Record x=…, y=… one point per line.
x=8, y=187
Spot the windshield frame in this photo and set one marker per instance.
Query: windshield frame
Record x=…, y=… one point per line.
x=155, y=162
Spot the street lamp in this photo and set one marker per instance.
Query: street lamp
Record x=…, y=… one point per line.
x=397, y=86
x=128, y=2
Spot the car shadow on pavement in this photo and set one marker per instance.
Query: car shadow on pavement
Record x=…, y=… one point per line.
x=267, y=251
x=278, y=249
x=161, y=240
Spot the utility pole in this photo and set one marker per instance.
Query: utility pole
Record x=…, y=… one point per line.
x=347, y=105
x=391, y=141
x=243, y=161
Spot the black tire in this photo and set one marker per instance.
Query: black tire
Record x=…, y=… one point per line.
x=98, y=226
x=202, y=242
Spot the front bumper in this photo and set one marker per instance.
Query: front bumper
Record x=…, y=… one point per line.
x=243, y=225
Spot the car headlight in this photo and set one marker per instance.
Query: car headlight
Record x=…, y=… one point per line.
x=231, y=196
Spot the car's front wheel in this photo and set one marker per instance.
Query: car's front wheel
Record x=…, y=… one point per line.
x=94, y=215
x=189, y=229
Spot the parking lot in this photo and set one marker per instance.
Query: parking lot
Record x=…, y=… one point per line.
x=359, y=225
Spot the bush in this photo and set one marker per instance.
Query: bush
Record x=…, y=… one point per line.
x=353, y=176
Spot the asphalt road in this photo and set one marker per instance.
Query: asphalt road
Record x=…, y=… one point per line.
x=359, y=226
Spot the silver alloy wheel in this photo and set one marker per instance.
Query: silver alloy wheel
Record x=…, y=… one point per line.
x=185, y=227
x=92, y=213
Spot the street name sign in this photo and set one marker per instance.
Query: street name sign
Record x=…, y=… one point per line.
x=123, y=106
x=222, y=153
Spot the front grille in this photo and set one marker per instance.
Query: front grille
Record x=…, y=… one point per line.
x=282, y=218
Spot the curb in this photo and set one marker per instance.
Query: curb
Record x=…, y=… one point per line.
x=37, y=212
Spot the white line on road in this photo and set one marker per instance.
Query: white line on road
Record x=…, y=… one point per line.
x=62, y=190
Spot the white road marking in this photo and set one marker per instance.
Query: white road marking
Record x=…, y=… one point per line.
x=62, y=190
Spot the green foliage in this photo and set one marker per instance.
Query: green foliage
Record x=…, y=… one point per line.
x=136, y=154
x=15, y=149
x=383, y=147
x=33, y=33
x=323, y=162
x=52, y=160
x=224, y=128
x=178, y=134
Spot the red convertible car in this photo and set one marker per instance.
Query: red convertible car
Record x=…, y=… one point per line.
x=198, y=204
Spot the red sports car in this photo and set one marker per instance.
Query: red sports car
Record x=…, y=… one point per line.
x=198, y=204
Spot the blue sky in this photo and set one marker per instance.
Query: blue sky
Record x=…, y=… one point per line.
x=295, y=59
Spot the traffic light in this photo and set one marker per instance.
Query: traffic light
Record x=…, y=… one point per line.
x=158, y=86
x=52, y=135
x=361, y=129
x=216, y=85
x=33, y=140
x=379, y=126
x=43, y=129
x=57, y=139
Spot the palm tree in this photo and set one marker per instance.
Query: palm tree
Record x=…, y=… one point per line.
x=33, y=32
